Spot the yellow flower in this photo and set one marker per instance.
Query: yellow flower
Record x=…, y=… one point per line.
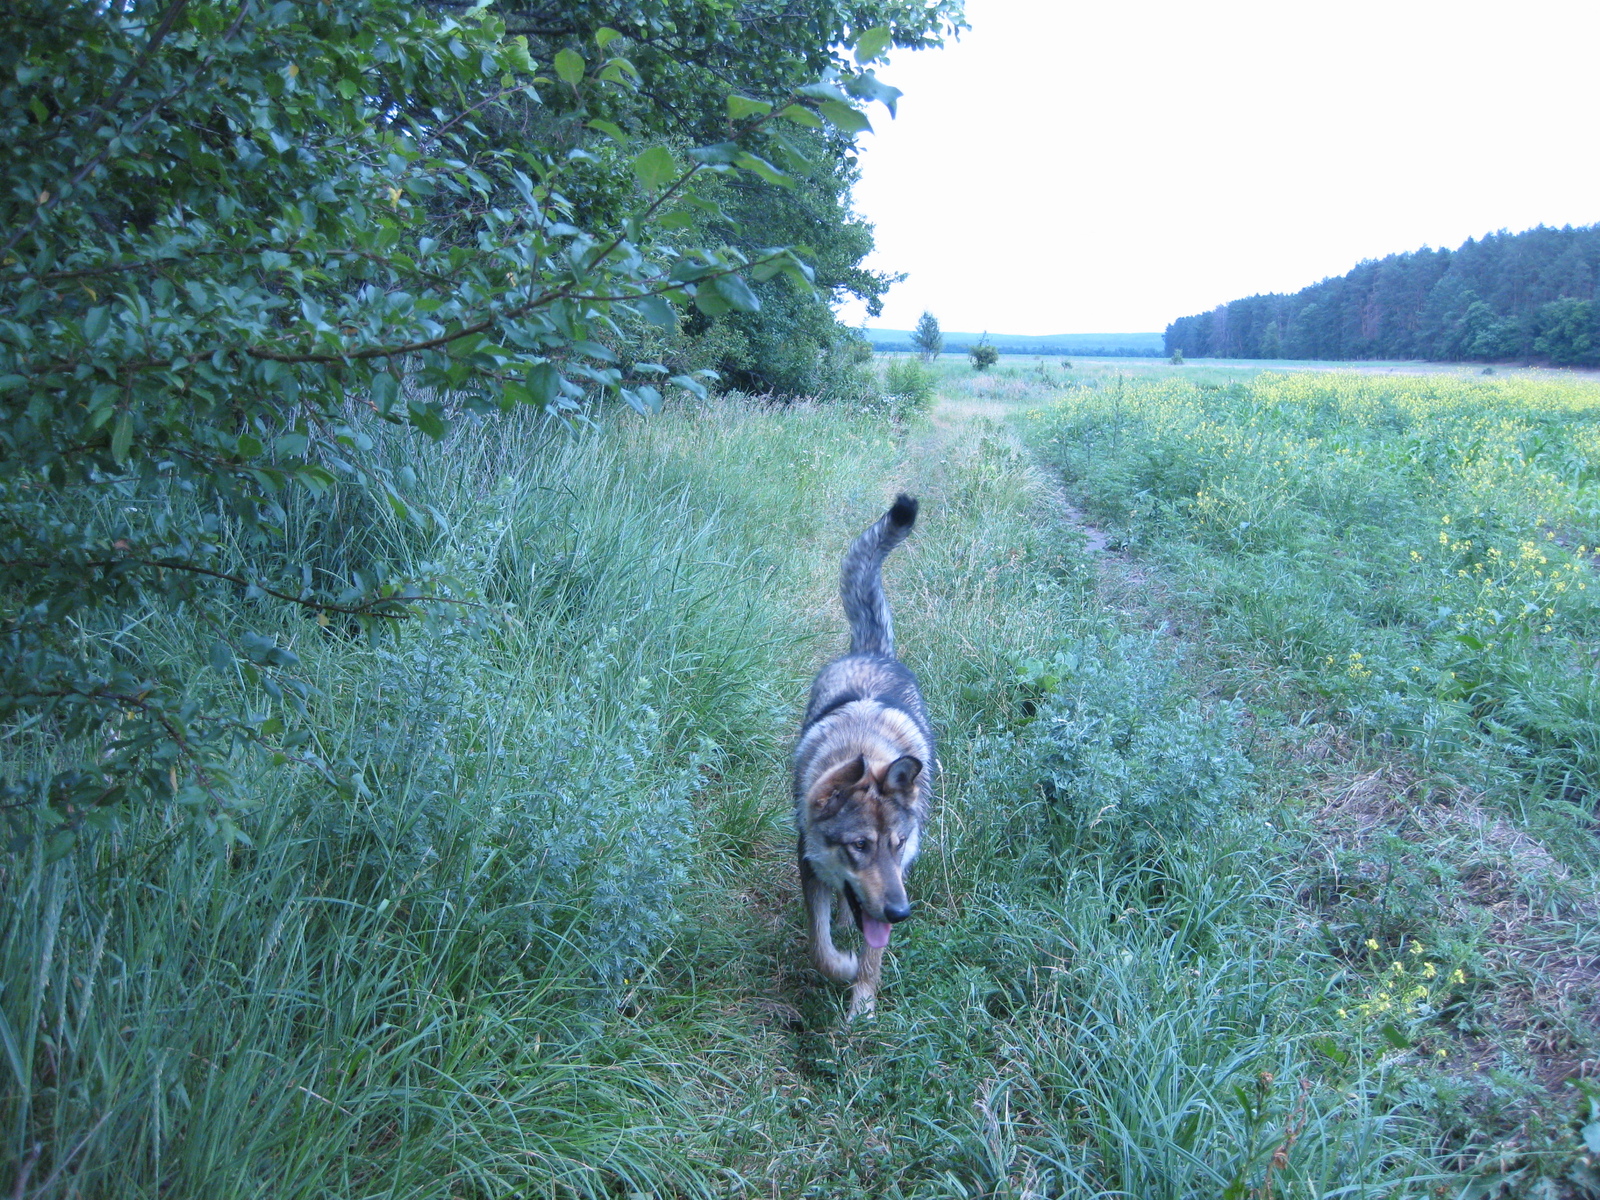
x=1372, y=943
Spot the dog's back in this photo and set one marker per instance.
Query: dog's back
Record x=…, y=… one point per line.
x=863, y=769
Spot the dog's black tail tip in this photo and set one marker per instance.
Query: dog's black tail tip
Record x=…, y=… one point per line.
x=904, y=513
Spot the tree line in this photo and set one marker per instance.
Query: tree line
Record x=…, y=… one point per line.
x=1529, y=296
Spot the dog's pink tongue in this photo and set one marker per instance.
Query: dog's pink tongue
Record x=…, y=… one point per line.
x=876, y=932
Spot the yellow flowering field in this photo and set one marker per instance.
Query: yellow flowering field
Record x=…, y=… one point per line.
x=1417, y=552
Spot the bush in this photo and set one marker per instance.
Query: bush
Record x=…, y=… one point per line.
x=983, y=356
x=1123, y=762
x=909, y=387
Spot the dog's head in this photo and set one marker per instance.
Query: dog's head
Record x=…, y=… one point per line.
x=862, y=830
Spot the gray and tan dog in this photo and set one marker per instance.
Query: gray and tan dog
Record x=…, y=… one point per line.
x=863, y=772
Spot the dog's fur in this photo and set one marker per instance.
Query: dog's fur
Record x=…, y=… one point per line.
x=863, y=772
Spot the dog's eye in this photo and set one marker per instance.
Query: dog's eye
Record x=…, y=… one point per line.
x=861, y=845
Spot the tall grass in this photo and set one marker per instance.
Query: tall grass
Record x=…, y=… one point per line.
x=547, y=943
x=1416, y=551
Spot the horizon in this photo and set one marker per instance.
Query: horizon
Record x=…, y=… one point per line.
x=1162, y=161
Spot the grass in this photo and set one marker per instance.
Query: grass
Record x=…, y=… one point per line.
x=549, y=944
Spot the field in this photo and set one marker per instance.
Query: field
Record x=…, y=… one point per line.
x=1264, y=865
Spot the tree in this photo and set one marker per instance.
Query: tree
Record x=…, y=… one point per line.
x=688, y=52
x=237, y=242
x=1271, y=344
x=1490, y=298
x=927, y=338
x=983, y=355
x=1568, y=331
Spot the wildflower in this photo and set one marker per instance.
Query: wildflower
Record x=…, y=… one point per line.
x=1372, y=943
x=1416, y=948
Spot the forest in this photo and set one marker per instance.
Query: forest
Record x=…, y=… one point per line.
x=1507, y=297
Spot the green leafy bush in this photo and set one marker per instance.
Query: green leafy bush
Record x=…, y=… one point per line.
x=983, y=356
x=909, y=385
x=226, y=232
x=1113, y=756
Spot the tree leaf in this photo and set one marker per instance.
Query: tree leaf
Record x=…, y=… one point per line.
x=122, y=436
x=764, y=169
x=658, y=311
x=740, y=107
x=737, y=293
x=841, y=116
x=611, y=129
x=717, y=152
x=655, y=168
x=569, y=66
x=800, y=115
x=872, y=43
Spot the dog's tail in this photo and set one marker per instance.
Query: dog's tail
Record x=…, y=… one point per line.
x=861, y=579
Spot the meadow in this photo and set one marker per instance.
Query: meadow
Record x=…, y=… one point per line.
x=1263, y=864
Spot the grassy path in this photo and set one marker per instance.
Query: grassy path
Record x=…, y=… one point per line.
x=548, y=943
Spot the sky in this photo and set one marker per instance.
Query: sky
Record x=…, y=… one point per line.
x=1102, y=166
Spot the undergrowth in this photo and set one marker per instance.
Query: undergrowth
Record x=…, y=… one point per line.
x=547, y=942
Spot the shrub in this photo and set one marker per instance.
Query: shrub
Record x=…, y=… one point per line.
x=1123, y=761
x=983, y=356
x=909, y=387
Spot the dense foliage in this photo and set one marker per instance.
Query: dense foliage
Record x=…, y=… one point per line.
x=687, y=53
x=243, y=241
x=1415, y=552
x=1529, y=296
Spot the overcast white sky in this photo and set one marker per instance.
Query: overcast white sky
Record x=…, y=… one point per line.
x=1109, y=165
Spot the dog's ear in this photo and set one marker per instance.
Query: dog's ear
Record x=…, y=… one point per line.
x=902, y=773
x=828, y=793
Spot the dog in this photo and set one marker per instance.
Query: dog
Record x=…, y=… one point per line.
x=863, y=771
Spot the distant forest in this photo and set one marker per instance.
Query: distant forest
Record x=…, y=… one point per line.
x=1085, y=345
x=1511, y=296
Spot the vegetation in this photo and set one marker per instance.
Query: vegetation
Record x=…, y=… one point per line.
x=235, y=235
x=1393, y=576
x=908, y=386
x=1524, y=296
x=983, y=356
x=1103, y=345
x=1263, y=863
x=927, y=338
x=1189, y=922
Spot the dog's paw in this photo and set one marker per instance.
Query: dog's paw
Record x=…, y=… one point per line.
x=841, y=967
x=862, y=1004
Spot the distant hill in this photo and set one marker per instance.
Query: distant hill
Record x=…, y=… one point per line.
x=1085, y=345
x=1530, y=296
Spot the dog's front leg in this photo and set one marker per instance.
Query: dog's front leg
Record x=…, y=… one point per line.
x=833, y=963
x=864, y=995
